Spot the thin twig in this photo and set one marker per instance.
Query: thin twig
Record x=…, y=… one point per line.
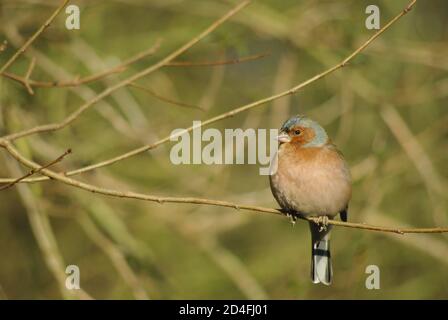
x=73, y=116
x=168, y=100
x=34, y=171
x=123, y=66
x=28, y=74
x=215, y=63
x=224, y=115
x=88, y=79
x=428, y=244
x=45, y=237
x=34, y=37
x=159, y=199
x=233, y=112
x=86, y=93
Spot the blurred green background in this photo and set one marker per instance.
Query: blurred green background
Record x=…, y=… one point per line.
x=387, y=112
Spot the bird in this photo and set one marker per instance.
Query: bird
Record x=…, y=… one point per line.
x=309, y=177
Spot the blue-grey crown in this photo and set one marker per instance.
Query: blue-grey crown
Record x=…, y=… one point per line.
x=321, y=137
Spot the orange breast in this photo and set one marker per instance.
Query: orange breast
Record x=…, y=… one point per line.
x=313, y=181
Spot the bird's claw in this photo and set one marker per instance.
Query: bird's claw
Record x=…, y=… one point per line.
x=292, y=217
x=322, y=221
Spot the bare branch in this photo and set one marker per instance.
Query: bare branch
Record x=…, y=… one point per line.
x=234, y=111
x=34, y=37
x=159, y=199
x=73, y=116
x=168, y=100
x=88, y=79
x=45, y=237
x=215, y=63
x=224, y=115
x=122, y=67
x=34, y=171
x=28, y=74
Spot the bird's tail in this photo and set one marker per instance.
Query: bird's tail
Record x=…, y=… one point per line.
x=321, y=269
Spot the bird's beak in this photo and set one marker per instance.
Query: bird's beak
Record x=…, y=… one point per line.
x=283, y=138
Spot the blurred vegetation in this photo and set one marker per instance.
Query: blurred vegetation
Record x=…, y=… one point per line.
x=134, y=249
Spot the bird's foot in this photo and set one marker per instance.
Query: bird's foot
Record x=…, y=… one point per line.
x=292, y=217
x=322, y=221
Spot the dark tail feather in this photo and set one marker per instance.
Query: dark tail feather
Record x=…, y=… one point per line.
x=321, y=269
x=344, y=215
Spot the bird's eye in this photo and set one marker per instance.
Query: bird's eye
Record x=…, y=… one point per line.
x=297, y=132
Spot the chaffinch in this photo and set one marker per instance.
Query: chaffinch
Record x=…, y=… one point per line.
x=310, y=177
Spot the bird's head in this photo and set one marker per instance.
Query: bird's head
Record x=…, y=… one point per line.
x=303, y=132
